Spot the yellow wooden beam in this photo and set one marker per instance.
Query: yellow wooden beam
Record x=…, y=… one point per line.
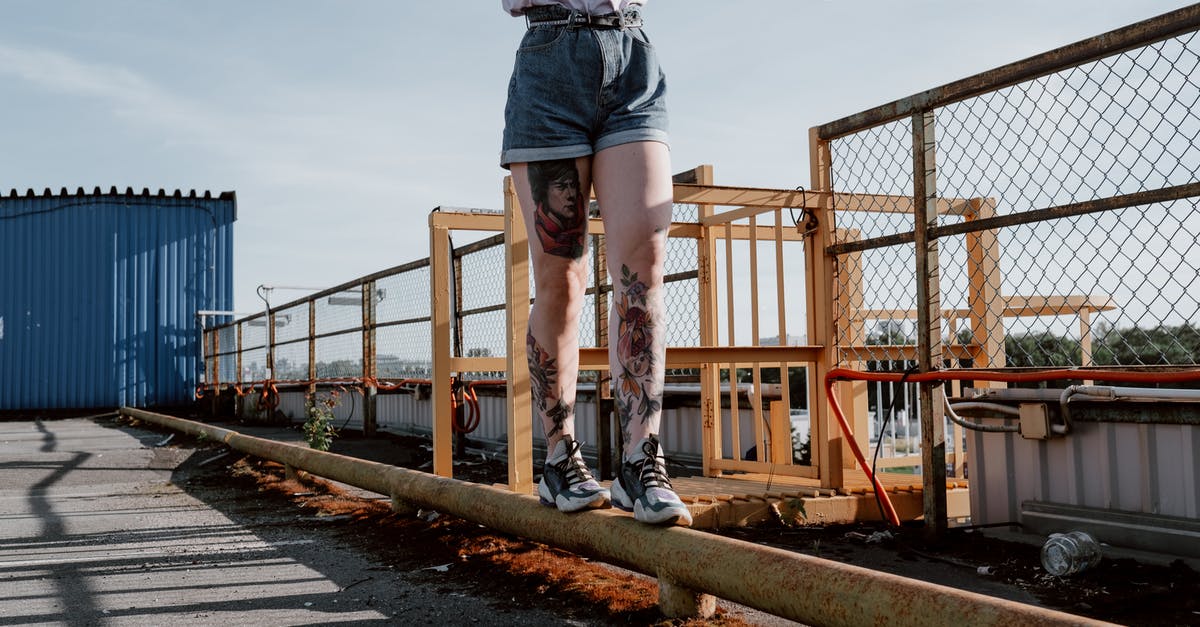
x=697, y=356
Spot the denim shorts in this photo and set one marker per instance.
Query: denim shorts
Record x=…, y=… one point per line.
x=577, y=91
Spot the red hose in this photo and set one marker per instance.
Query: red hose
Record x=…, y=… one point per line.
x=888, y=508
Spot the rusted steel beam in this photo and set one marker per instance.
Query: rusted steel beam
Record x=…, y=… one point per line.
x=807, y=589
x=1137, y=199
x=1142, y=33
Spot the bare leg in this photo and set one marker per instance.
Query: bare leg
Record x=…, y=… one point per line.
x=633, y=186
x=553, y=196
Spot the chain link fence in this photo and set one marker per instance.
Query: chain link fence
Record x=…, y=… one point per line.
x=321, y=338
x=1079, y=270
x=1064, y=215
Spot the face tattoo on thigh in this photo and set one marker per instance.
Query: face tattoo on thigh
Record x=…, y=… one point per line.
x=559, y=215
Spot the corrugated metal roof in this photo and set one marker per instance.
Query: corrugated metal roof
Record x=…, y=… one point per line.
x=79, y=191
x=99, y=291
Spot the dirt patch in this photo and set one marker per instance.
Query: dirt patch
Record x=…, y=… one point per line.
x=1117, y=590
x=515, y=573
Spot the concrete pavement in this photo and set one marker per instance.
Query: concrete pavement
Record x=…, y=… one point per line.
x=94, y=532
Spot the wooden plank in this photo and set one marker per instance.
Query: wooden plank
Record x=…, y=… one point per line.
x=756, y=200
x=735, y=425
x=826, y=439
x=462, y=221
x=897, y=352
x=479, y=364
x=591, y=358
x=710, y=373
x=439, y=293
x=518, y=401
x=735, y=465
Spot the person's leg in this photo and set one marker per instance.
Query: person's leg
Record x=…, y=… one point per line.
x=634, y=189
x=554, y=200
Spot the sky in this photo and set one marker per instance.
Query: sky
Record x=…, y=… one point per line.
x=340, y=125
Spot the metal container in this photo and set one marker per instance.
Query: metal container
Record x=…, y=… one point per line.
x=99, y=294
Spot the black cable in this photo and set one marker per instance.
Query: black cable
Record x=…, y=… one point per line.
x=348, y=418
x=883, y=427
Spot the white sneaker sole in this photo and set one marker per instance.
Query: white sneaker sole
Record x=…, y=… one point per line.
x=674, y=514
x=566, y=504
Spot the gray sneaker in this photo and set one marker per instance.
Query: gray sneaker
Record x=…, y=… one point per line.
x=567, y=483
x=642, y=487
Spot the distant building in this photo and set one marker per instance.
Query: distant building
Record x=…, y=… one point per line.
x=99, y=294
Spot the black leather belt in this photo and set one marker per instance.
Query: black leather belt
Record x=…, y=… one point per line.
x=557, y=15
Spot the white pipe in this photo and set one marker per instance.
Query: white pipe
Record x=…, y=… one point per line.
x=975, y=426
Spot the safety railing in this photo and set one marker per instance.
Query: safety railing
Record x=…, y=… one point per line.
x=1051, y=221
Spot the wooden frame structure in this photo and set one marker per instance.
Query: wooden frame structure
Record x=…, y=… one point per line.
x=743, y=216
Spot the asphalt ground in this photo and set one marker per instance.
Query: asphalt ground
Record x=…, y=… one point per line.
x=95, y=529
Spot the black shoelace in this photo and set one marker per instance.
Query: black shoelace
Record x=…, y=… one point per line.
x=654, y=469
x=573, y=467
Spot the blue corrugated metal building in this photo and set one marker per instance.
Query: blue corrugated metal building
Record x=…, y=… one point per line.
x=99, y=294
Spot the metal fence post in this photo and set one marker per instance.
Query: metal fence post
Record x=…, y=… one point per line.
x=368, y=359
x=929, y=323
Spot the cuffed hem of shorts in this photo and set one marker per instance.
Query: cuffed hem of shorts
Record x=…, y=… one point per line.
x=630, y=136
x=549, y=153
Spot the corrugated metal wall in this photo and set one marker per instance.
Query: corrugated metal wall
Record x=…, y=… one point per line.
x=1137, y=466
x=99, y=294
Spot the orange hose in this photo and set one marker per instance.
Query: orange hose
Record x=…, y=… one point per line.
x=888, y=508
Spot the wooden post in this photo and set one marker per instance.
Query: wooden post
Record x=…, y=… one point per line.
x=785, y=388
x=710, y=373
x=312, y=349
x=603, y=397
x=214, y=376
x=781, y=434
x=756, y=402
x=439, y=292
x=853, y=394
x=827, y=440
x=735, y=412
x=987, y=301
x=516, y=280
x=1085, y=338
x=987, y=305
x=238, y=405
x=929, y=329
x=370, y=391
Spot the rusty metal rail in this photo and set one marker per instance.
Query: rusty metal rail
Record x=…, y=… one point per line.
x=799, y=587
x=1139, y=34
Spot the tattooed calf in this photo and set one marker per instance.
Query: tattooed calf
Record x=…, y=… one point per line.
x=559, y=214
x=543, y=375
x=636, y=350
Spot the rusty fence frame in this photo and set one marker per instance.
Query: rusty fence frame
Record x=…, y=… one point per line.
x=981, y=223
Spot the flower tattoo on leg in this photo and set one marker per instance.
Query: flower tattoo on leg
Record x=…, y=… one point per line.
x=635, y=351
x=543, y=375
